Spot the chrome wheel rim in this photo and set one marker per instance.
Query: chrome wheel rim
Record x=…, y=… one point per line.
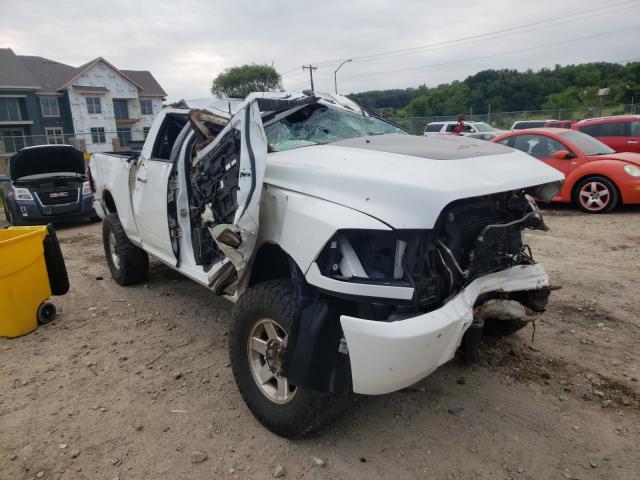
x=113, y=251
x=594, y=196
x=265, y=350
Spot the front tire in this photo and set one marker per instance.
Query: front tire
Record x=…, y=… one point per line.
x=11, y=220
x=7, y=216
x=128, y=263
x=596, y=194
x=502, y=328
x=262, y=320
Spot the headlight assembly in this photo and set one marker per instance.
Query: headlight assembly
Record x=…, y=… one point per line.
x=22, y=194
x=86, y=188
x=368, y=256
x=632, y=170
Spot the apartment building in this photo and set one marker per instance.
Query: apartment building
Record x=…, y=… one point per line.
x=95, y=106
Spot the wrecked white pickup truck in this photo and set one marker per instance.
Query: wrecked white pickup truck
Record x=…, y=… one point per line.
x=360, y=257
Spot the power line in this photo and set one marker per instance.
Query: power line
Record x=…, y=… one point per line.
x=295, y=69
x=466, y=42
x=574, y=39
x=463, y=41
x=478, y=36
x=301, y=85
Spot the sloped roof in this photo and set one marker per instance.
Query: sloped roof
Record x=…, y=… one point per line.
x=83, y=68
x=150, y=86
x=50, y=74
x=13, y=73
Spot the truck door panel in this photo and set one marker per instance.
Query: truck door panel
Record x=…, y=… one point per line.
x=227, y=182
x=150, y=184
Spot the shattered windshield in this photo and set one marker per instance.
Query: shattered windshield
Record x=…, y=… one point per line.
x=318, y=124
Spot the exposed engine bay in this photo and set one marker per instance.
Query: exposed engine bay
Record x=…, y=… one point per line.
x=472, y=237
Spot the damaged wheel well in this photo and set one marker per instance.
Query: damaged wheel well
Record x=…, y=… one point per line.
x=109, y=203
x=270, y=262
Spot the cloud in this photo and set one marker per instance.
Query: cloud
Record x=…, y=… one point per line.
x=185, y=44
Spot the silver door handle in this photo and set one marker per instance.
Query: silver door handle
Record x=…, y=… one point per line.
x=141, y=180
x=632, y=141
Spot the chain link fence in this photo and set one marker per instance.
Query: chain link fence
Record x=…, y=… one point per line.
x=504, y=120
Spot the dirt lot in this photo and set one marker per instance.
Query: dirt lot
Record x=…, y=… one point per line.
x=128, y=382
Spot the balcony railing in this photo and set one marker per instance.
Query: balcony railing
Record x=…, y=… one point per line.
x=11, y=143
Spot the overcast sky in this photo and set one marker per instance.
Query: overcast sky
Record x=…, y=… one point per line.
x=186, y=43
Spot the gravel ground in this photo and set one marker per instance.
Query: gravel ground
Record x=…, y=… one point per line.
x=129, y=383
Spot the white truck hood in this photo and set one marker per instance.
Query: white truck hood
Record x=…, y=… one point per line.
x=405, y=180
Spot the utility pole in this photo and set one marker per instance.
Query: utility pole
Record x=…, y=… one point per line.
x=311, y=68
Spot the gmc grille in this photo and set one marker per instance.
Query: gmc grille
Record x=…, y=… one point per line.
x=58, y=197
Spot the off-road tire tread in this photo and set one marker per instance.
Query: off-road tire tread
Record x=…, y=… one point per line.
x=502, y=328
x=310, y=409
x=134, y=262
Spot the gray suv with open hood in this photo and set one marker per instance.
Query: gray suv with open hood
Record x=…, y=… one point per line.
x=47, y=184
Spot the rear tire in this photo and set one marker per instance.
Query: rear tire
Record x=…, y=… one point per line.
x=128, y=263
x=596, y=194
x=284, y=409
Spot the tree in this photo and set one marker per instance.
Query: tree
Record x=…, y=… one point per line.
x=238, y=82
x=571, y=86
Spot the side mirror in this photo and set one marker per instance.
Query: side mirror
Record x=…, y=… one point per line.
x=563, y=154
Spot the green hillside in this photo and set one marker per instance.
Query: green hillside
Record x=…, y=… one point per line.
x=571, y=86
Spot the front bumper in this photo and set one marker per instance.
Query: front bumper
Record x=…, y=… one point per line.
x=30, y=212
x=630, y=190
x=388, y=356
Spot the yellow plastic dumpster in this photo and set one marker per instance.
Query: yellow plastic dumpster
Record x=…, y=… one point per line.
x=24, y=280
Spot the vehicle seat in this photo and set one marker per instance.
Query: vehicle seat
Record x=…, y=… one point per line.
x=540, y=149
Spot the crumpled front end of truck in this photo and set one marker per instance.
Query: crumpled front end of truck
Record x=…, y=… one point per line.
x=407, y=300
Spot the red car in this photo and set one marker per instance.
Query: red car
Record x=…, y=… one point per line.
x=560, y=123
x=597, y=178
x=622, y=133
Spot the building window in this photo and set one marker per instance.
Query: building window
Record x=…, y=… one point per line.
x=14, y=140
x=120, y=109
x=54, y=136
x=97, y=135
x=10, y=109
x=94, y=105
x=124, y=135
x=146, y=107
x=145, y=131
x=49, y=106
